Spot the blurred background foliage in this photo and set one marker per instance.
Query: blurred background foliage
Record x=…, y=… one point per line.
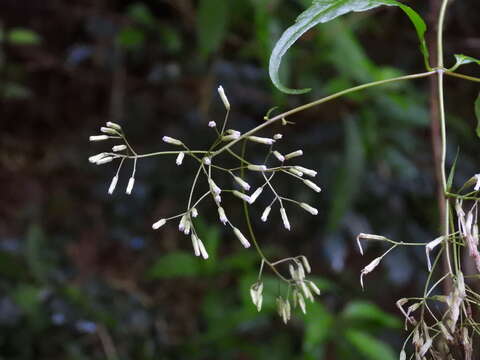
x=82, y=276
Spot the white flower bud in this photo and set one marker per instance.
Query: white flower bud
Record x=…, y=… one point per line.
x=477, y=184
x=130, y=184
x=309, y=208
x=293, y=154
x=230, y=137
x=301, y=302
x=221, y=92
x=196, y=248
x=212, y=124
x=207, y=161
x=369, y=268
x=182, y=223
x=306, y=171
x=234, y=132
x=257, y=167
x=403, y=355
x=215, y=189
x=242, y=196
x=172, y=141
x=95, y=158
x=242, y=183
x=279, y=156
x=261, y=140
x=295, y=172
x=157, y=225
x=107, y=130
x=188, y=226
x=180, y=158
x=256, y=194
x=202, y=249
x=218, y=199
x=277, y=136
x=306, y=264
x=117, y=148
x=113, y=184
x=98, y=137
x=104, y=160
x=114, y=126
x=222, y=215
x=286, y=223
x=194, y=212
x=312, y=185
x=265, y=213
x=314, y=287
x=242, y=238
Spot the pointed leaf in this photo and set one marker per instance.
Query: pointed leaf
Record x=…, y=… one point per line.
x=452, y=172
x=462, y=60
x=322, y=11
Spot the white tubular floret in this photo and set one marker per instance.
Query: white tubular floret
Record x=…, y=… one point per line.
x=256, y=194
x=180, y=158
x=202, y=249
x=113, y=184
x=194, y=212
x=117, y=148
x=241, y=237
x=265, y=213
x=130, y=184
x=212, y=124
x=429, y=247
x=242, y=196
x=277, y=136
x=279, y=156
x=196, y=248
x=369, y=268
x=218, y=199
x=293, y=154
x=230, y=137
x=242, y=183
x=301, y=302
x=306, y=171
x=295, y=172
x=261, y=140
x=477, y=182
x=312, y=185
x=157, y=225
x=233, y=132
x=222, y=216
x=188, y=226
x=221, y=92
x=306, y=264
x=215, y=189
x=309, y=208
x=182, y=223
x=314, y=287
x=104, y=160
x=114, y=126
x=257, y=167
x=207, y=161
x=172, y=141
x=98, y=137
x=286, y=223
x=107, y=130
x=93, y=159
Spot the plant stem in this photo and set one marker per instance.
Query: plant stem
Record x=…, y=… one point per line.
x=443, y=130
x=321, y=101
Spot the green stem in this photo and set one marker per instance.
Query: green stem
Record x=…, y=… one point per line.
x=462, y=76
x=321, y=101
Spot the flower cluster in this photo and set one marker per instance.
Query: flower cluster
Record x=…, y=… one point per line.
x=209, y=169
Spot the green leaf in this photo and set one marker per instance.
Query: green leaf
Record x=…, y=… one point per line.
x=212, y=25
x=176, y=264
x=322, y=11
x=366, y=313
x=462, y=60
x=318, y=328
x=369, y=347
x=141, y=14
x=21, y=36
x=477, y=114
x=130, y=37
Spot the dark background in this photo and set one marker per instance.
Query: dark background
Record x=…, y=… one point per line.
x=82, y=276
